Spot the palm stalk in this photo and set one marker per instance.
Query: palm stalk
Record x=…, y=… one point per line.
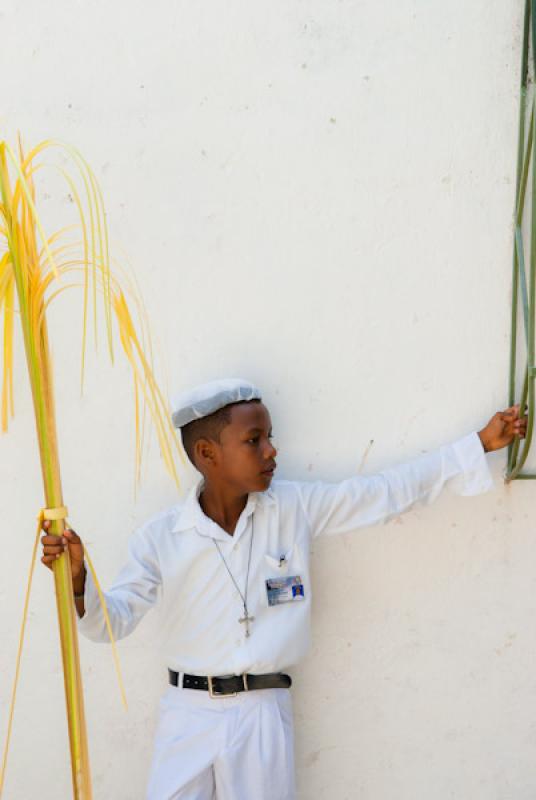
x=523, y=289
x=34, y=268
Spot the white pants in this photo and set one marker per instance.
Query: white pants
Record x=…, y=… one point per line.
x=224, y=748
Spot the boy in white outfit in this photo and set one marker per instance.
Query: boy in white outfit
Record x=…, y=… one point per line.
x=230, y=566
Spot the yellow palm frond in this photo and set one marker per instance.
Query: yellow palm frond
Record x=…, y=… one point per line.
x=35, y=269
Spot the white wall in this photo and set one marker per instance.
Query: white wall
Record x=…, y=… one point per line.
x=318, y=196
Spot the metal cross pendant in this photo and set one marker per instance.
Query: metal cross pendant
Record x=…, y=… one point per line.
x=246, y=619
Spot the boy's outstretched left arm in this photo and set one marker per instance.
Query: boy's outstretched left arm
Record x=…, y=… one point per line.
x=372, y=499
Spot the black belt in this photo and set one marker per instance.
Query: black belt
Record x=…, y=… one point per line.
x=233, y=684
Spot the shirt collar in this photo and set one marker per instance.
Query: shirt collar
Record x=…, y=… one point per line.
x=191, y=515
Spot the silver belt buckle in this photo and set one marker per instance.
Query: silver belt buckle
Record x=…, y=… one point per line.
x=214, y=694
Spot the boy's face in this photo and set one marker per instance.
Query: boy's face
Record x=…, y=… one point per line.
x=245, y=455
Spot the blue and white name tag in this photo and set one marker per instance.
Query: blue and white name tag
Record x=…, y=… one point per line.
x=284, y=590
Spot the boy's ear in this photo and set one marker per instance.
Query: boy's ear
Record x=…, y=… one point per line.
x=205, y=453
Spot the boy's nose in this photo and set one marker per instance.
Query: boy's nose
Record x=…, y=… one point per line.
x=270, y=451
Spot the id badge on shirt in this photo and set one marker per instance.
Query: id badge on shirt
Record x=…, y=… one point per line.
x=284, y=590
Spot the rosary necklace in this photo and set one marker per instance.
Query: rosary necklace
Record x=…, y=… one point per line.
x=246, y=619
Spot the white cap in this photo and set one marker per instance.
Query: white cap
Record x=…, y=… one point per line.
x=203, y=400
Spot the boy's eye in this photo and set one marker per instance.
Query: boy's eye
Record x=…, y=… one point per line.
x=255, y=439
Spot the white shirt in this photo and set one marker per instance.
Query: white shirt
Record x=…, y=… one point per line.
x=173, y=560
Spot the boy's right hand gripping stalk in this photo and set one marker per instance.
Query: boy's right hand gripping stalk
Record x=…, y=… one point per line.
x=54, y=546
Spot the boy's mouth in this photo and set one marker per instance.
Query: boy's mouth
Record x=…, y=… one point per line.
x=270, y=470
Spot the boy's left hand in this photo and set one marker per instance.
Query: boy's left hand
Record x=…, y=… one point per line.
x=502, y=428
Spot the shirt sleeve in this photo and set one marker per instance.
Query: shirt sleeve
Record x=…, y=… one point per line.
x=133, y=592
x=369, y=500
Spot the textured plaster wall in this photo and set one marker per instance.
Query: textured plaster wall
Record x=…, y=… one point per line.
x=317, y=196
